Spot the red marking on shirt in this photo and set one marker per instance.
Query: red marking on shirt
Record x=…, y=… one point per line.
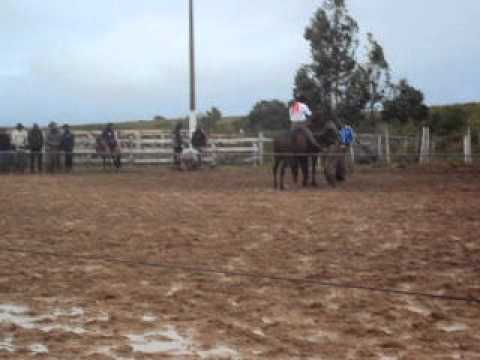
x=296, y=107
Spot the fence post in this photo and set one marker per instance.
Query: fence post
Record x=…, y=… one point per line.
x=379, y=147
x=425, y=146
x=467, y=146
x=387, y=145
x=260, y=147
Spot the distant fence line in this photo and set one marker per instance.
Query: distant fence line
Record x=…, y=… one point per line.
x=150, y=147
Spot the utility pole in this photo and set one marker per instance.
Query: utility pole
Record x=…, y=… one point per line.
x=192, y=124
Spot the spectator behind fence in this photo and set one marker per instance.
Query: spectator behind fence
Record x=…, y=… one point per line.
x=200, y=142
x=68, y=143
x=35, y=144
x=177, y=143
x=5, y=151
x=53, y=143
x=19, y=140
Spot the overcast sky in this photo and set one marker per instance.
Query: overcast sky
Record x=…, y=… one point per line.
x=111, y=60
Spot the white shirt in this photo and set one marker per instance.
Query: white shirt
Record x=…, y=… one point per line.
x=19, y=138
x=299, y=112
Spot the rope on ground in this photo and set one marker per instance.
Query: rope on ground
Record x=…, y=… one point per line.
x=272, y=277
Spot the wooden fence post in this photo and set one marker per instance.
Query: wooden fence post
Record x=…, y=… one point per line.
x=425, y=146
x=467, y=146
x=261, y=141
x=387, y=145
x=379, y=147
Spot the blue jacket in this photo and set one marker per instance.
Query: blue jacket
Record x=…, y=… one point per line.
x=347, y=135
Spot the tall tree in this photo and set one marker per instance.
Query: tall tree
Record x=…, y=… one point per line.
x=407, y=103
x=355, y=98
x=333, y=38
x=378, y=72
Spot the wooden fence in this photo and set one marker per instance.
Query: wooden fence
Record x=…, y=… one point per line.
x=151, y=147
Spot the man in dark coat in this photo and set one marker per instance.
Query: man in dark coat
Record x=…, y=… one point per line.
x=68, y=143
x=200, y=142
x=35, y=143
x=53, y=143
x=5, y=151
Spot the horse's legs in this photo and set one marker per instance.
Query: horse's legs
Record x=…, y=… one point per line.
x=276, y=163
x=294, y=166
x=282, y=173
x=314, y=170
x=304, y=165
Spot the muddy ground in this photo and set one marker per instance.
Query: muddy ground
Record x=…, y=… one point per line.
x=406, y=229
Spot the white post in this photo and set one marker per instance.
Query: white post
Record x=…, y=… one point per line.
x=425, y=146
x=379, y=147
x=387, y=145
x=467, y=146
x=405, y=147
x=192, y=124
x=261, y=140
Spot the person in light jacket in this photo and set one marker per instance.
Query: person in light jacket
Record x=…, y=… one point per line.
x=19, y=141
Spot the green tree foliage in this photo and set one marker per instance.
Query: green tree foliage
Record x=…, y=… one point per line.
x=269, y=115
x=355, y=99
x=211, y=119
x=407, y=103
x=449, y=121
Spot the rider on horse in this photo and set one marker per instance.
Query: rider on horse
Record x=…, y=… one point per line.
x=299, y=116
x=109, y=137
x=108, y=145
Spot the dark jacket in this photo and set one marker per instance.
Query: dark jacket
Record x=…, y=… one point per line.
x=199, y=139
x=54, y=140
x=35, y=139
x=5, y=144
x=68, y=141
x=109, y=136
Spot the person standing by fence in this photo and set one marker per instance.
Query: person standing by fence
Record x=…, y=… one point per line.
x=177, y=143
x=68, y=143
x=200, y=143
x=347, y=139
x=35, y=144
x=5, y=152
x=19, y=140
x=54, y=140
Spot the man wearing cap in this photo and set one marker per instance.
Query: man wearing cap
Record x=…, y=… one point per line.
x=35, y=144
x=19, y=140
x=68, y=143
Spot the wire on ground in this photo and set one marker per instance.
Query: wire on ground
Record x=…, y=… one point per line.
x=272, y=277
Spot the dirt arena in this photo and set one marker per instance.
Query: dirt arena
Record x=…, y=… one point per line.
x=407, y=229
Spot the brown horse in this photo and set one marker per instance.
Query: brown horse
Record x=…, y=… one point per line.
x=293, y=149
